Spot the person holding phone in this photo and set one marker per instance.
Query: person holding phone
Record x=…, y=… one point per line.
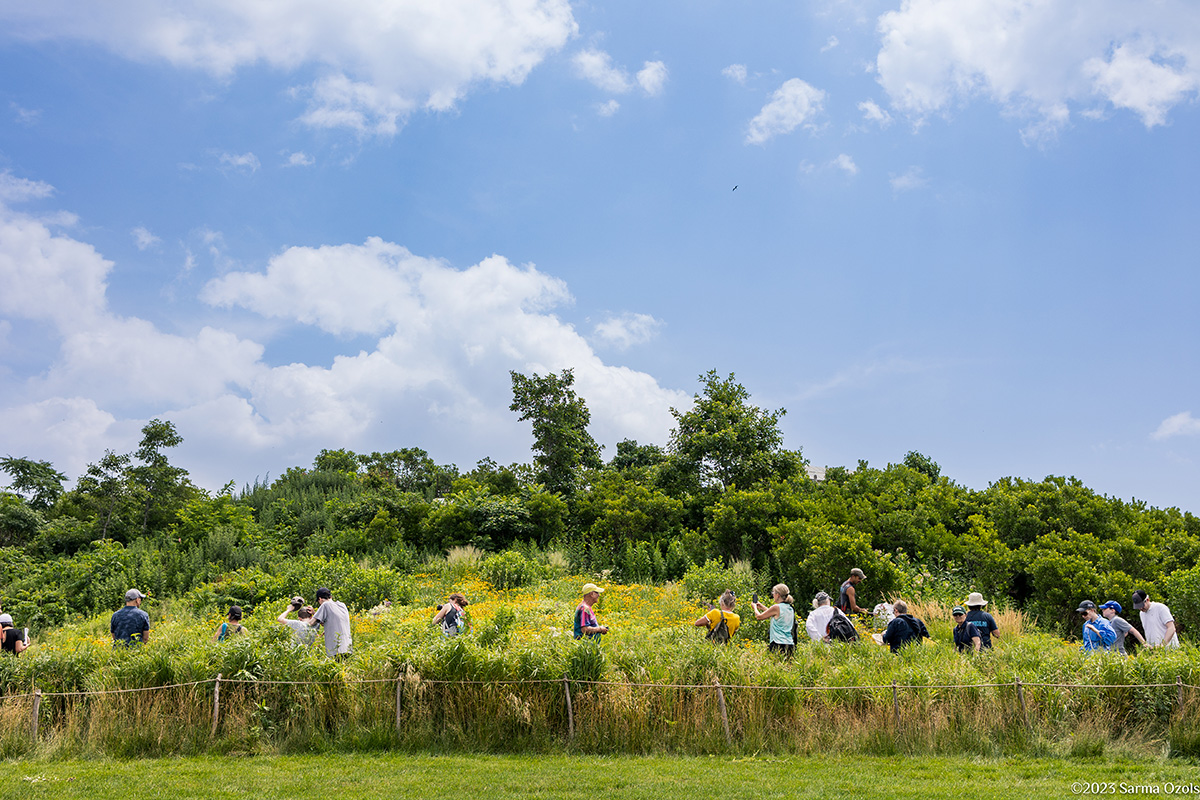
x=13, y=641
x=781, y=631
x=305, y=634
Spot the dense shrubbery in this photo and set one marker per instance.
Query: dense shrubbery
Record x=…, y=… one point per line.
x=724, y=489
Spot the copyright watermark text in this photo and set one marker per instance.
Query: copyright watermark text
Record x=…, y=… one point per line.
x=1088, y=788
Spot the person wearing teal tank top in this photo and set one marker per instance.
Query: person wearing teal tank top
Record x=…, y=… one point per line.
x=781, y=638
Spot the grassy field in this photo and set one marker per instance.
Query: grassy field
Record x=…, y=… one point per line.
x=588, y=778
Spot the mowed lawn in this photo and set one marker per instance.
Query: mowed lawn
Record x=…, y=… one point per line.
x=593, y=778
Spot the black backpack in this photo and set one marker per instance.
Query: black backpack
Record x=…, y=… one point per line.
x=720, y=633
x=840, y=628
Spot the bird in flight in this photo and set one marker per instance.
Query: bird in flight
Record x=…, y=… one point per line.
x=735, y=187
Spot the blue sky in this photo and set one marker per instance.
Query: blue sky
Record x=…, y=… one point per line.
x=965, y=227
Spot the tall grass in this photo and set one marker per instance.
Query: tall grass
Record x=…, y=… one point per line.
x=647, y=688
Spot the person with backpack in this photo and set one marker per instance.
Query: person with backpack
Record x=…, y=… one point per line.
x=232, y=626
x=817, y=624
x=721, y=622
x=452, y=615
x=781, y=636
x=904, y=628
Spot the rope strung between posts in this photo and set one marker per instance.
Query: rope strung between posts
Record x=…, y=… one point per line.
x=535, y=681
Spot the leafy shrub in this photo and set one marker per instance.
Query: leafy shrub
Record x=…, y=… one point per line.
x=509, y=570
x=708, y=582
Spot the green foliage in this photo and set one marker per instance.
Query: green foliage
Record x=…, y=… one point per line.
x=707, y=582
x=18, y=522
x=37, y=481
x=818, y=556
x=562, y=445
x=509, y=570
x=357, y=586
x=1182, y=590
x=724, y=440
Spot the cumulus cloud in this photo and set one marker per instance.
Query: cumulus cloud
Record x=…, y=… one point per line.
x=1040, y=59
x=792, y=105
x=846, y=164
x=830, y=44
x=912, y=178
x=299, y=159
x=143, y=238
x=376, y=60
x=625, y=330
x=1181, y=424
x=246, y=161
x=596, y=67
x=736, y=72
x=873, y=113
x=607, y=109
x=424, y=359
x=652, y=77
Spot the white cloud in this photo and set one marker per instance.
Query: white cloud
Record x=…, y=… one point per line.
x=626, y=330
x=428, y=365
x=1040, y=59
x=735, y=71
x=912, y=178
x=829, y=45
x=1181, y=424
x=845, y=163
x=652, y=77
x=607, y=109
x=25, y=116
x=143, y=238
x=18, y=190
x=596, y=67
x=873, y=113
x=376, y=60
x=245, y=161
x=298, y=159
x=792, y=105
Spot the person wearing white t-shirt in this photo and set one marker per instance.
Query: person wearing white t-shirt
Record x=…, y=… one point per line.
x=818, y=620
x=1157, y=621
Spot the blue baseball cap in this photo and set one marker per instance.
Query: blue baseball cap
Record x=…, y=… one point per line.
x=1113, y=604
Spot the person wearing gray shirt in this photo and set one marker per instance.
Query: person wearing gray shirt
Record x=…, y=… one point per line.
x=305, y=634
x=333, y=617
x=1110, y=610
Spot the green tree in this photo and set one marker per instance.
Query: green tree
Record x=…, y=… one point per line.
x=161, y=487
x=409, y=469
x=38, y=482
x=724, y=440
x=562, y=444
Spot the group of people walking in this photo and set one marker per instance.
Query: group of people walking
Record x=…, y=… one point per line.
x=974, y=628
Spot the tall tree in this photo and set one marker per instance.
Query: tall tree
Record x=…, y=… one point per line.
x=160, y=485
x=726, y=441
x=562, y=444
x=37, y=481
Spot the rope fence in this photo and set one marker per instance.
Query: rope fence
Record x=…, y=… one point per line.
x=413, y=682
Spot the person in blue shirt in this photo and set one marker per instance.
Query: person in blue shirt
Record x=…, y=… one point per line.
x=1098, y=634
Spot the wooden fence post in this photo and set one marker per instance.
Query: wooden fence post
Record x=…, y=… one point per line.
x=570, y=710
x=1024, y=708
x=896, y=706
x=399, y=698
x=1179, y=691
x=33, y=719
x=216, y=705
x=724, y=714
